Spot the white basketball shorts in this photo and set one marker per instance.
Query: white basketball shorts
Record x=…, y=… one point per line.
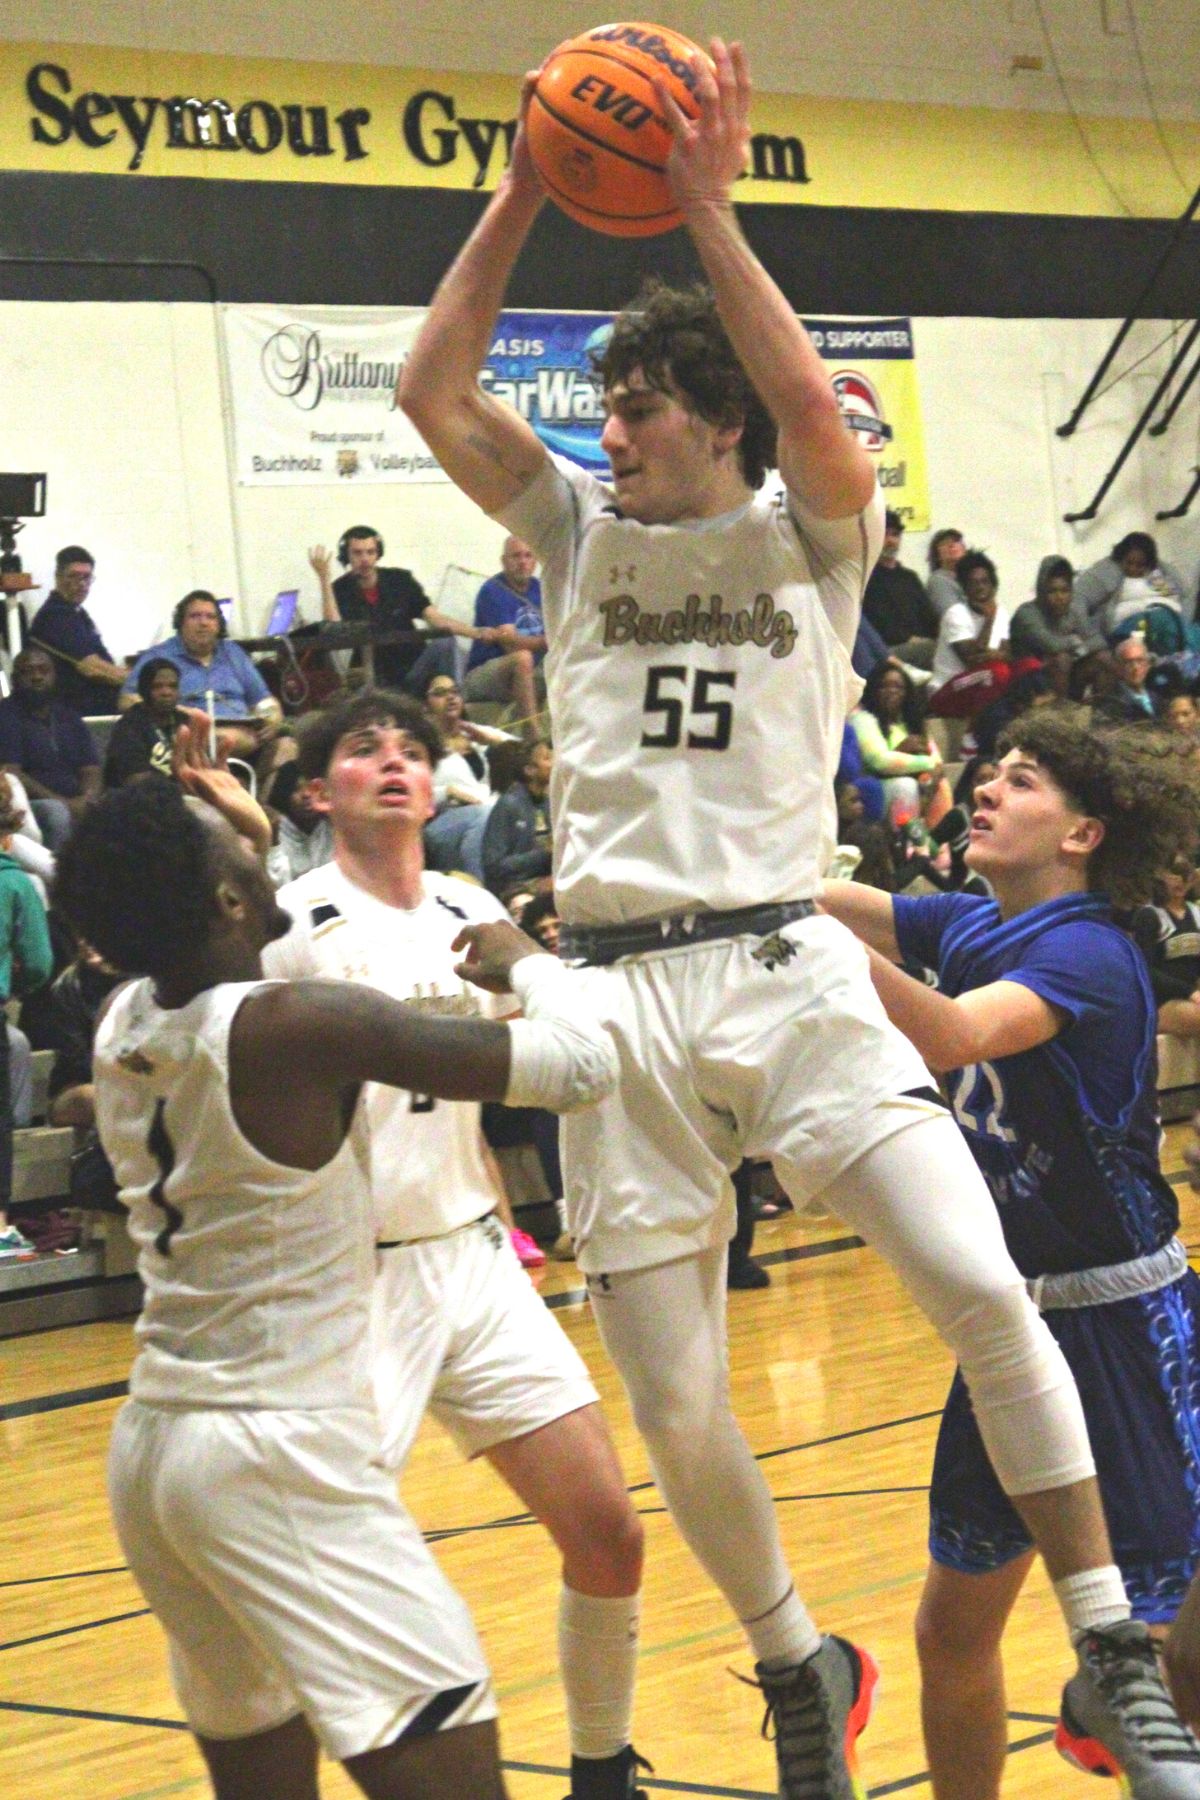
x=458, y=1327
x=288, y=1577
x=773, y=1047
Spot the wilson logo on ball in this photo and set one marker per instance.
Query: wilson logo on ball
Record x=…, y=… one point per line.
x=597, y=134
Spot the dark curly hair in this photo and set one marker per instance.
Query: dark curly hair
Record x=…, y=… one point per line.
x=967, y=565
x=319, y=735
x=675, y=335
x=136, y=876
x=1144, y=785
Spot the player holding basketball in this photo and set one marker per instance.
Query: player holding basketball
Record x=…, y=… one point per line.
x=700, y=628
x=1044, y=1022
x=300, y=1601
x=459, y=1326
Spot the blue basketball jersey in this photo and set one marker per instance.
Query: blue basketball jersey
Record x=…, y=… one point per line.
x=1066, y=1135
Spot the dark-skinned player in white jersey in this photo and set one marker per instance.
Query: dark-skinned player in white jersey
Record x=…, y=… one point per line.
x=300, y=1601
x=699, y=625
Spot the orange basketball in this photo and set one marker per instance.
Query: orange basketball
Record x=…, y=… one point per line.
x=597, y=135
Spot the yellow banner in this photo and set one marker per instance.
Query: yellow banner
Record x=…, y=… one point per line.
x=873, y=368
x=96, y=109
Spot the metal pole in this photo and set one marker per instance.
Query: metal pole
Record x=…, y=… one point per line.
x=1180, y=356
x=1106, y=361
x=1177, y=512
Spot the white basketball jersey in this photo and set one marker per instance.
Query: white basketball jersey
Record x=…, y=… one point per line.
x=427, y=1170
x=257, y=1275
x=698, y=690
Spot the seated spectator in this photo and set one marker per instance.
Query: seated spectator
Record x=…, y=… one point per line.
x=28, y=849
x=946, y=550
x=1129, y=702
x=896, y=603
x=510, y=636
x=88, y=678
x=388, y=600
x=462, y=790
x=304, y=837
x=1131, y=590
x=208, y=663
x=1180, y=713
x=1054, y=622
x=889, y=725
x=48, y=747
x=541, y=922
x=143, y=739
x=971, y=665
x=26, y=962
x=516, y=842
x=850, y=770
x=1169, y=934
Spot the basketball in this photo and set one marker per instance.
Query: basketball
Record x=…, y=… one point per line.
x=597, y=135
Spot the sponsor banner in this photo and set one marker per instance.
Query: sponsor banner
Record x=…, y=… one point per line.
x=874, y=371
x=100, y=109
x=312, y=391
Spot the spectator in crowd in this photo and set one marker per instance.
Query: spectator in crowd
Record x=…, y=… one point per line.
x=1130, y=701
x=510, y=636
x=387, y=599
x=890, y=727
x=209, y=663
x=26, y=962
x=48, y=747
x=850, y=770
x=946, y=550
x=75, y=1002
x=971, y=663
x=88, y=678
x=304, y=837
x=1054, y=621
x=516, y=843
x=1168, y=931
x=1180, y=713
x=143, y=739
x=896, y=603
x=1131, y=585
x=541, y=922
x=28, y=849
x=461, y=788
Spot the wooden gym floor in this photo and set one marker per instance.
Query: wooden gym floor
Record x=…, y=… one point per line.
x=838, y=1383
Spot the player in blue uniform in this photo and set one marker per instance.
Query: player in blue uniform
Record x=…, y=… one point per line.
x=1044, y=1028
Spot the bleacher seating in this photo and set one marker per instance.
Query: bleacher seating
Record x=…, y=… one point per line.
x=1178, y=1078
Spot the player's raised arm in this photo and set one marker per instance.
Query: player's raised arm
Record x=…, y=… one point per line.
x=818, y=456
x=485, y=447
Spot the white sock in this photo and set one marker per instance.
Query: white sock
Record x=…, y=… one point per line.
x=597, y=1654
x=560, y=1207
x=785, y=1636
x=1092, y=1599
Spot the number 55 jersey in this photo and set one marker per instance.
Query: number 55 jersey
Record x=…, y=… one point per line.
x=698, y=677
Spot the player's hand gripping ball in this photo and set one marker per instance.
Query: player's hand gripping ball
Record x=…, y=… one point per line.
x=596, y=132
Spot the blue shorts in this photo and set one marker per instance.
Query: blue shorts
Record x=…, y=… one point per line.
x=1137, y=1363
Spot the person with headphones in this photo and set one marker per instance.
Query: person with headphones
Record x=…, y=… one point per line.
x=390, y=600
x=209, y=663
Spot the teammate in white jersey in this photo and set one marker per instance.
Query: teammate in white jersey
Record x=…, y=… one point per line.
x=300, y=1601
x=698, y=674
x=458, y=1325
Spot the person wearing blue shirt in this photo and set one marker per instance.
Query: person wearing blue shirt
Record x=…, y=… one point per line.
x=510, y=636
x=206, y=660
x=1044, y=1030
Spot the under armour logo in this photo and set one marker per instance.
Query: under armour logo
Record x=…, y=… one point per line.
x=616, y=573
x=774, y=949
x=599, y=1284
